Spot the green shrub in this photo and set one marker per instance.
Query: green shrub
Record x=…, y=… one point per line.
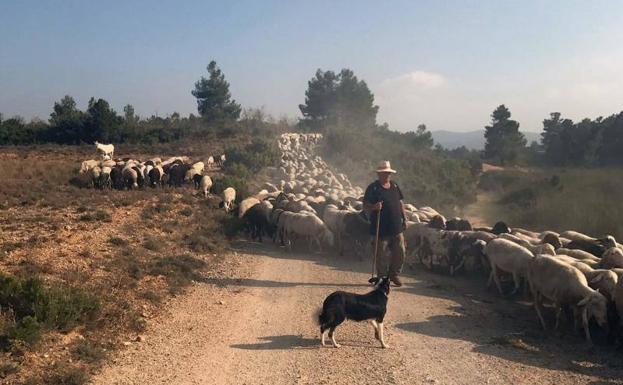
x=232, y=225
x=65, y=307
x=186, y=211
x=254, y=156
x=35, y=307
x=88, y=351
x=118, y=241
x=239, y=184
x=427, y=177
x=199, y=242
x=178, y=270
x=154, y=244
x=63, y=374
x=523, y=198
x=27, y=330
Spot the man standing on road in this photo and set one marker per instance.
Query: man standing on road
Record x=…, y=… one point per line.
x=384, y=196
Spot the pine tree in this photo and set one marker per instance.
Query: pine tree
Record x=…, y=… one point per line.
x=504, y=142
x=214, y=101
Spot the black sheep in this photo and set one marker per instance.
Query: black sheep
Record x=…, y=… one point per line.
x=257, y=221
x=177, y=174
x=116, y=177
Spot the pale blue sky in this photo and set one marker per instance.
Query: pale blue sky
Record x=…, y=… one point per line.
x=443, y=63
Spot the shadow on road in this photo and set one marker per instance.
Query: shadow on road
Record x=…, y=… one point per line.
x=281, y=342
x=251, y=282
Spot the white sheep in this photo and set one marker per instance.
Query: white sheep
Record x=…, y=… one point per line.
x=246, y=204
x=565, y=285
x=535, y=249
x=307, y=226
x=578, y=254
x=229, y=196
x=87, y=165
x=107, y=150
x=612, y=258
x=205, y=185
x=570, y=260
x=210, y=162
x=509, y=257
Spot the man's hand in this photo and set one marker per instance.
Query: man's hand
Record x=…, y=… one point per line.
x=377, y=206
x=404, y=224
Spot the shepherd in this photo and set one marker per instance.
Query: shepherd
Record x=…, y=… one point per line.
x=384, y=200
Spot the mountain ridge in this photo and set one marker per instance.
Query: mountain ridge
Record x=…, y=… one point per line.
x=472, y=140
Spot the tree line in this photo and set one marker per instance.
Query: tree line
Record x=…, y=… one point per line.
x=337, y=103
x=218, y=114
x=587, y=143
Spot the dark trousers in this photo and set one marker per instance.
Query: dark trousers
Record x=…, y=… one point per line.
x=390, y=265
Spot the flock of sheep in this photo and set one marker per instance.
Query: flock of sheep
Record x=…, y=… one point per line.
x=306, y=201
x=127, y=173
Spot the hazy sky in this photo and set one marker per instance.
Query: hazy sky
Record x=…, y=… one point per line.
x=443, y=63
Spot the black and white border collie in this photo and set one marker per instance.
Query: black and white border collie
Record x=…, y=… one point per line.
x=340, y=306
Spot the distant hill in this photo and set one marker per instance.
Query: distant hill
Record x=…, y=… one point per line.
x=473, y=140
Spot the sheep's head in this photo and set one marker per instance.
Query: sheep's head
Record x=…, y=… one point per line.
x=437, y=222
x=547, y=249
x=595, y=306
x=553, y=240
x=608, y=241
x=500, y=228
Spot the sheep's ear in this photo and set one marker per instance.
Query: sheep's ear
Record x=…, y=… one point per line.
x=584, y=301
x=597, y=278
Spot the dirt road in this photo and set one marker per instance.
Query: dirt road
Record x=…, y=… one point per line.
x=251, y=323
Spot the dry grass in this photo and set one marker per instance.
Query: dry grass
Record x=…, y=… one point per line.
x=108, y=244
x=585, y=200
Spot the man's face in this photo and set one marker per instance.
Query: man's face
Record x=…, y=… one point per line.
x=384, y=176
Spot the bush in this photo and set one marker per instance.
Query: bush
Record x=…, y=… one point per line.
x=88, y=351
x=118, y=241
x=178, y=270
x=232, y=225
x=27, y=330
x=254, y=156
x=239, y=184
x=154, y=244
x=186, y=211
x=426, y=177
x=35, y=307
x=199, y=242
x=63, y=374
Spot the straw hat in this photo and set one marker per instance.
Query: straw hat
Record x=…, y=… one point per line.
x=385, y=166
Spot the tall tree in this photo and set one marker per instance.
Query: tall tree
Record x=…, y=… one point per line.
x=552, y=138
x=504, y=142
x=129, y=117
x=421, y=138
x=214, y=101
x=338, y=99
x=102, y=123
x=66, y=122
